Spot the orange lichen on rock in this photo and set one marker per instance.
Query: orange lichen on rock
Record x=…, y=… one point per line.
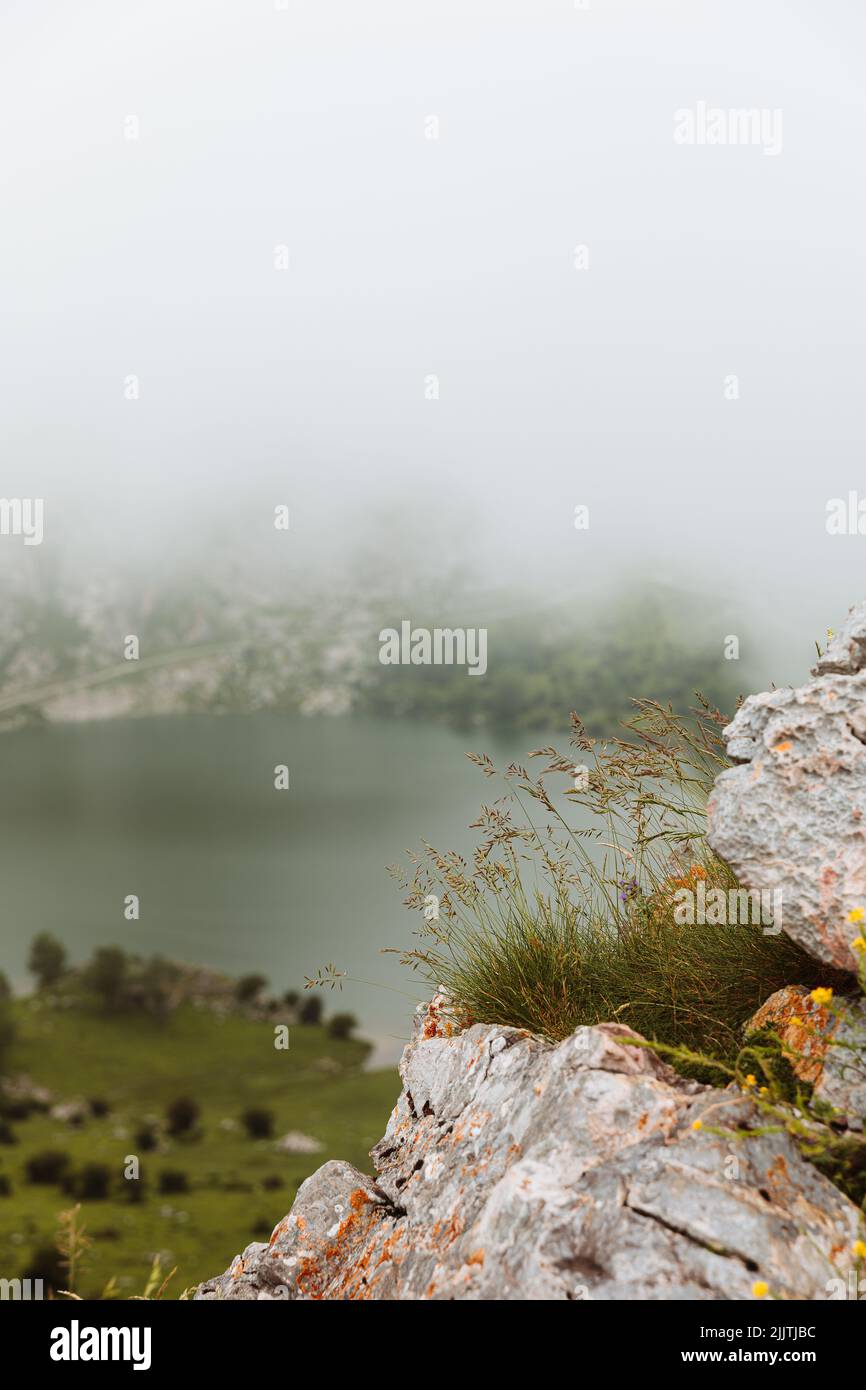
x=779, y=1183
x=805, y=1028
x=434, y=1025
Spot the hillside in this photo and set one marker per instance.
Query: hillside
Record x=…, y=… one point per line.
x=137, y=1066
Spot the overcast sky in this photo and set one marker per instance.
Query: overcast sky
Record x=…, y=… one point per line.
x=308, y=127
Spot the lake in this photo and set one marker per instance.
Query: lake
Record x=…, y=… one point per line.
x=230, y=872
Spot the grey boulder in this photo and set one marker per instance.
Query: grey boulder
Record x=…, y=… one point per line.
x=513, y=1169
x=790, y=818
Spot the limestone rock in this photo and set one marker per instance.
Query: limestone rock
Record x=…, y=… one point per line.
x=297, y=1143
x=791, y=818
x=515, y=1169
x=846, y=651
x=825, y=1046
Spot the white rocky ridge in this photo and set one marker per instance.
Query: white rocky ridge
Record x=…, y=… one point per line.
x=791, y=816
x=515, y=1169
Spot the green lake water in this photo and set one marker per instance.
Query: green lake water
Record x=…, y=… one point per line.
x=230, y=872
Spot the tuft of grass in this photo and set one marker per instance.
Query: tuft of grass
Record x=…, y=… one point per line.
x=560, y=921
x=684, y=985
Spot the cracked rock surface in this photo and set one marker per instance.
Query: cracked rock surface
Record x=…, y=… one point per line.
x=515, y=1169
x=791, y=816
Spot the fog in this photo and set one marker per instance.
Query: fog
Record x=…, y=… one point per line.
x=155, y=154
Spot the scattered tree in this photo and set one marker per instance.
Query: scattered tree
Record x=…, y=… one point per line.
x=311, y=1009
x=91, y=1184
x=258, y=1122
x=342, y=1025
x=106, y=974
x=146, y=1139
x=173, y=1180
x=47, y=959
x=249, y=987
x=48, y=1166
x=182, y=1116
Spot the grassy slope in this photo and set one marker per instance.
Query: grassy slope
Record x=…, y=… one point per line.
x=139, y=1065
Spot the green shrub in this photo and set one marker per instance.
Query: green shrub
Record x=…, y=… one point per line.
x=249, y=987
x=106, y=975
x=46, y=1263
x=47, y=959
x=342, y=1025
x=182, y=1116
x=258, y=1122
x=311, y=1010
x=172, y=1180
x=92, y=1183
x=146, y=1139
x=47, y=1166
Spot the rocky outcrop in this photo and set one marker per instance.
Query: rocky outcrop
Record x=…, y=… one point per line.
x=825, y=1045
x=515, y=1169
x=791, y=816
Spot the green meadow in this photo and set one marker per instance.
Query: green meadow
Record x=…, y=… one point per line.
x=237, y=1187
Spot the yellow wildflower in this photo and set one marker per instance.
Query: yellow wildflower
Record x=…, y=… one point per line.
x=750, y=1080
x=760, y=1289
x=821, y=995
x=856, y=915
x=859, y=1248
x=697, y=1124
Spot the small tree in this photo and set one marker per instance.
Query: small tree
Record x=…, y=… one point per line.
x=48, y=1166
x=342, y=1025
x=173, y=1180
x=106, y=974
x=182, y=1116
x=311, y=1009
x=155, y=982
x=249, y=987
x=291, y=998
x=258, y=1122
x=7, y=1029
x=91, y=1184
x=47, y=959
x=146, y=1139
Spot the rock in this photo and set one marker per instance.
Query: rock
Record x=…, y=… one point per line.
x=791, y=818
x=71, y=1112
x=297, y=1143
x=846, y=651
x=20, y=1089
x=513, y=1169
x=825, y=1046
